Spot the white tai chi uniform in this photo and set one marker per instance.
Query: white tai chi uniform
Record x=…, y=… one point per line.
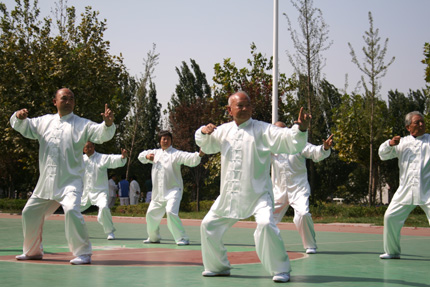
x=61, y=167
x=113, y=188
x=246, y=189
x=134, y=192
x=96, y=185
x=167, y=190
x=292, y=189
x=414, y=187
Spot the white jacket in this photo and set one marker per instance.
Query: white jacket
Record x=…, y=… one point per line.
x=166, y=171
x=96, y=177
x=291, y=175
x=245, y=162
x=414, y=165
x=61, y=141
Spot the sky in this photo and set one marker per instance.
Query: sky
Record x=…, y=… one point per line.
x=210, y=31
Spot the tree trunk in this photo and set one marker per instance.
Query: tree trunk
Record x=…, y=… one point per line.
x=371, y=189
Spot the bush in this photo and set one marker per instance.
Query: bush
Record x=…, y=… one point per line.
x=12, y=205
x=130, y=210
x=320, y=209
x=204, y=205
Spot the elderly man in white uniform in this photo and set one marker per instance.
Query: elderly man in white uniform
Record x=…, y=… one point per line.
x=96, y=185
x=291, y=187
x=61, y=137
x=168, y=188
x=246, y=188
x=413, y=153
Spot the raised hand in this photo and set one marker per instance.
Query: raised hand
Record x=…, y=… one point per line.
x=304, y=120
x=108, y=116
x=328, y=143
x=201, y=153
x=124, y=153
x=210, y=128
x=150, y=156
x=22, y=114
x=395, y=141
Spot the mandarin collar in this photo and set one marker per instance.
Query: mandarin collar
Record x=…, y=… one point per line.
x=94, y=153
x=66, y=117
x=167, y=149
x=244, y=124
x=420, y=137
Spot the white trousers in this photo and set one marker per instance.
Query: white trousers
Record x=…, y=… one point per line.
x=394, y=218
x=112, y=200
x=124, y=201
x=104, y=216
x=155, y=213
x=302, y=219
x=269, y=245
x=134, y=200
x=33, y=218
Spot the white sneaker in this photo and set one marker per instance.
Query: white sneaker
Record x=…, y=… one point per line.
x=389, y=256
x=213, y=274
x=148, y=241
x=183, y=242
x=111, y=236
x=28, y=257
x=281, y=277
x=311, y=250
x=83, y=259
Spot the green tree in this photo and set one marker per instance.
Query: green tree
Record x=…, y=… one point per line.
x=256, y=81
x=138, y=131
x=426, y=61
x=331, y=172
x=34, y=64
x=309, y=44
x=308, y=62
x=374, y=68
x=190, y=107
x=351, y=135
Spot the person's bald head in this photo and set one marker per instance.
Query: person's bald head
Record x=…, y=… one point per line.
x=64, y=101
x=239, y=107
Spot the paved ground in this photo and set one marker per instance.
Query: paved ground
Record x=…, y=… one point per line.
x=347, y=256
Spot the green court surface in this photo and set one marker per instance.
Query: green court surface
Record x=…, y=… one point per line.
x=343, y=259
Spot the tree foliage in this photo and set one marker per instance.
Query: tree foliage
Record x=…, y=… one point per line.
x=256, y=81
x=374, y=68
x=190, y=107
x=138, y=131
x=426, y=61
x=309, y=45
x=34, y=63
x=352, y=129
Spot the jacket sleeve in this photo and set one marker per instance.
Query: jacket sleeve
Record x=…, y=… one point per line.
x=386, y=151
x=142, y=156
x=315, y=153
x=113, y=161
x=286, y=140
x=210, y=144
x=190, y=159
x=26, y=127
x=100, y=133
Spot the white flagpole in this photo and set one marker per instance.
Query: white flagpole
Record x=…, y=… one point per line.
x=275, y=63
x=275, y=71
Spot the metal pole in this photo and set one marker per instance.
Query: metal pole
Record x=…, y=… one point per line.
x=275, y=63
x=275, y=71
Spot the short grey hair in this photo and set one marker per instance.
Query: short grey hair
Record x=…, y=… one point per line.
x=235, y=94
x=408, y=117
